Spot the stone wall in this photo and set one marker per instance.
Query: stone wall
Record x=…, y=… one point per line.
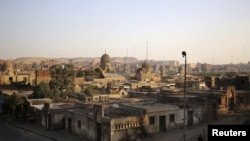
x=57, y=120
x=159, y=118
x=81, y=124
x=126, y=128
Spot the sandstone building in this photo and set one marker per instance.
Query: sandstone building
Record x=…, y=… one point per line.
x=9, y=75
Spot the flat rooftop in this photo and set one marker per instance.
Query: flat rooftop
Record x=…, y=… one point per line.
x=83, y=111
x=116, y=112
x=55, y=106
x=153, y=106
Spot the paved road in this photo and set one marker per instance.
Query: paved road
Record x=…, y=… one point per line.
x=193, y=132
x=37, y=130
x=9, y=132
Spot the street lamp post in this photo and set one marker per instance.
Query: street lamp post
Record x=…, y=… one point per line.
x=184, y=93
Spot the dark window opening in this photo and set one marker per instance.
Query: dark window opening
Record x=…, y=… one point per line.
x=219, y=100
x=11, y=79
x=152, y=120
x=79, y=124
x=172, y=118
x=242, y=82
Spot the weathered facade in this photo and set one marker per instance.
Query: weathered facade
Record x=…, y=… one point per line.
x=42, y=76
x=241, y=82
x=113, y=122
x=9, y=75
x=227, y=101
x=53, y=115
x=144, y=72
x=156, y=117
x=200, y=107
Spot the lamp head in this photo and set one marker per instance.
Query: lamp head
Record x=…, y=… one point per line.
x=183, y=53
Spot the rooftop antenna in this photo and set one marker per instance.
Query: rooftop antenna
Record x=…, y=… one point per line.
x=127, y=52
x=243, y=53
x=212, y=59
x=232, y=59
x=127, y=57
x=147, y=51
x=134, y=51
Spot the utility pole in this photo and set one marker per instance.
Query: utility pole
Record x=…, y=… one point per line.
x=184, y=93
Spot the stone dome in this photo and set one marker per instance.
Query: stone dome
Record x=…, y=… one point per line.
x=7, y=66
x=146, y=66
x=105, y=59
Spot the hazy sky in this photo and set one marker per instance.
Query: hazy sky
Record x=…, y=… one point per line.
x=210, y=31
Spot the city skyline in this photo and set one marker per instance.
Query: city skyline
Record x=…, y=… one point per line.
x=213, y=32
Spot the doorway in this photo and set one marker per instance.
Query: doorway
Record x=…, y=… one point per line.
x=98, y=132
x=162, y=123
x=230, y=104
x=190, y=118
x=69, y=125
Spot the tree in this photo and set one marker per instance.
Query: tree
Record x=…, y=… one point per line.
x=10, y=104
x=62, y=81
x=90, y=74
x=42, y=90
x=79, y=73
x=90, y=90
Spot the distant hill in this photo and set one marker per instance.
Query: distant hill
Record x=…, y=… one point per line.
x=31, y=60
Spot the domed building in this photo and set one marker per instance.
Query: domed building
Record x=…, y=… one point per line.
x=144, y=73
x=9, y=75
x=105, y=73
x=146, y=67
x=106, y=63
x=8, y=68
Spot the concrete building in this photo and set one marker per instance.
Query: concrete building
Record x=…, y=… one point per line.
x=53, y=115
x=50, y=115
x=227, y=100
x=240, y=81
x=157, y=117
x=127, y=121
x=210, y=81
